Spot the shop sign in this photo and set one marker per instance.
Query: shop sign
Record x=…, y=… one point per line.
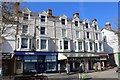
x=29, y=53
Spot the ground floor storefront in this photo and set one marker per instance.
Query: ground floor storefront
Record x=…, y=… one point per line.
x=90, y=61
x=35, y=62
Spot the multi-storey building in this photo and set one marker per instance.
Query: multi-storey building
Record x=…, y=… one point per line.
x=111, y=44
x=46, y=43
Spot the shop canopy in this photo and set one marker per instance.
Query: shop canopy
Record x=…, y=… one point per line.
x=61, y=56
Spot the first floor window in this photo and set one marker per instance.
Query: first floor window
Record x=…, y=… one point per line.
x=37, y=44
x=88, y=36
x=75, y=45
x=25, y=29
x=91, y=46
x=30, y=42
x=96, y=46
x=80, y=45
x=43, y=44
x=60, y=44
x=77, y=34
x=64, y=33
x=42, y=30
x=18, y=42
x=24, y=42
x=65, y=44
x=100, y=46
x=86, y=46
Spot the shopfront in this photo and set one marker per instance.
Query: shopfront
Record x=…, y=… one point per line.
x=35, y=62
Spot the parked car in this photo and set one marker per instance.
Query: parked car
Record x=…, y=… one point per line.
x=118, y=70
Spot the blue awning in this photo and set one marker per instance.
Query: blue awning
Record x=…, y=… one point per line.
x=20, y=53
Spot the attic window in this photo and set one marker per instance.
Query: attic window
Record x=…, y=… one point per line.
x=76, y=23
x=95, y=27
x=63, y=21
x=42, y=18
x=25, y=16
x=86, y=25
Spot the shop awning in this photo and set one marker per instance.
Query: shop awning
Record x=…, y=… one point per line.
x=61, y=56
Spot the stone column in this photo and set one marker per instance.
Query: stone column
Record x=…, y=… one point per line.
x=86, y=66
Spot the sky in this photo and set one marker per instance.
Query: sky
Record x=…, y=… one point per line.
x=102, y=11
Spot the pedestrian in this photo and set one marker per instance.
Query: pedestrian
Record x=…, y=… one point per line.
x=81, y=71
x=67, y=68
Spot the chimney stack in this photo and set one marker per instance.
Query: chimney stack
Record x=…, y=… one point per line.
x=94, y=20
x=49, y=12
x=75, y=15
x=16, y=8
x=108, y=25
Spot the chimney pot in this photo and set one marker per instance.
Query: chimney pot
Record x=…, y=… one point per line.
x=49, y=12
x=108, y=25
x=76, y=15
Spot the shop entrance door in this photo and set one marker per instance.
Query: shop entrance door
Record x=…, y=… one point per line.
x=41, y=63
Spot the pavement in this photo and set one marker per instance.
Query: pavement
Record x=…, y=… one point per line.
x=110, y=74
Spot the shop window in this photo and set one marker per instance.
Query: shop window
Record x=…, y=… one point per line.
x=51, y=66
x=18, y=65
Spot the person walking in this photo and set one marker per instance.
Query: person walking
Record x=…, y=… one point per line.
x=81, y=71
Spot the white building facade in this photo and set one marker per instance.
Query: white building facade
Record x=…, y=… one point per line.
x=42, y=36
x=111, y=44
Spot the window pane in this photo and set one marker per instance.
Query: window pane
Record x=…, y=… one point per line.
x=60, y=44
x=63, y=21
x=96, y=46
x=25, y=29
x=75, y=45
x=86, y=46
x=77, y=34
x=76, y=23
x=88, y=35
x=86, y=25
x=30, y=44
x=63, y=32
x=43, y=44
x=65, y=44
x=96, y=36
x=95, y=27
x=42, y=30
x=100, y=47
x=25, y=16
x=37, y=43
x=24, y=42
x=42, y=18
x=80, y=45
x=91, y=46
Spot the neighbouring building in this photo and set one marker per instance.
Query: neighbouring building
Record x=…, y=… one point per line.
x=111, y=46
x=45, y=43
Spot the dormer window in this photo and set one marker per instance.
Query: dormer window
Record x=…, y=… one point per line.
x=25, y=16
x=63, y=21
x=25, y=29
x=86, y=24
x=76, y=23
x=42, y=18
x=95, y=27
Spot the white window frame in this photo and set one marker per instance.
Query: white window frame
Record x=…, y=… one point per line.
x=27, y=29
x=45, y=30
x=65, y=32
